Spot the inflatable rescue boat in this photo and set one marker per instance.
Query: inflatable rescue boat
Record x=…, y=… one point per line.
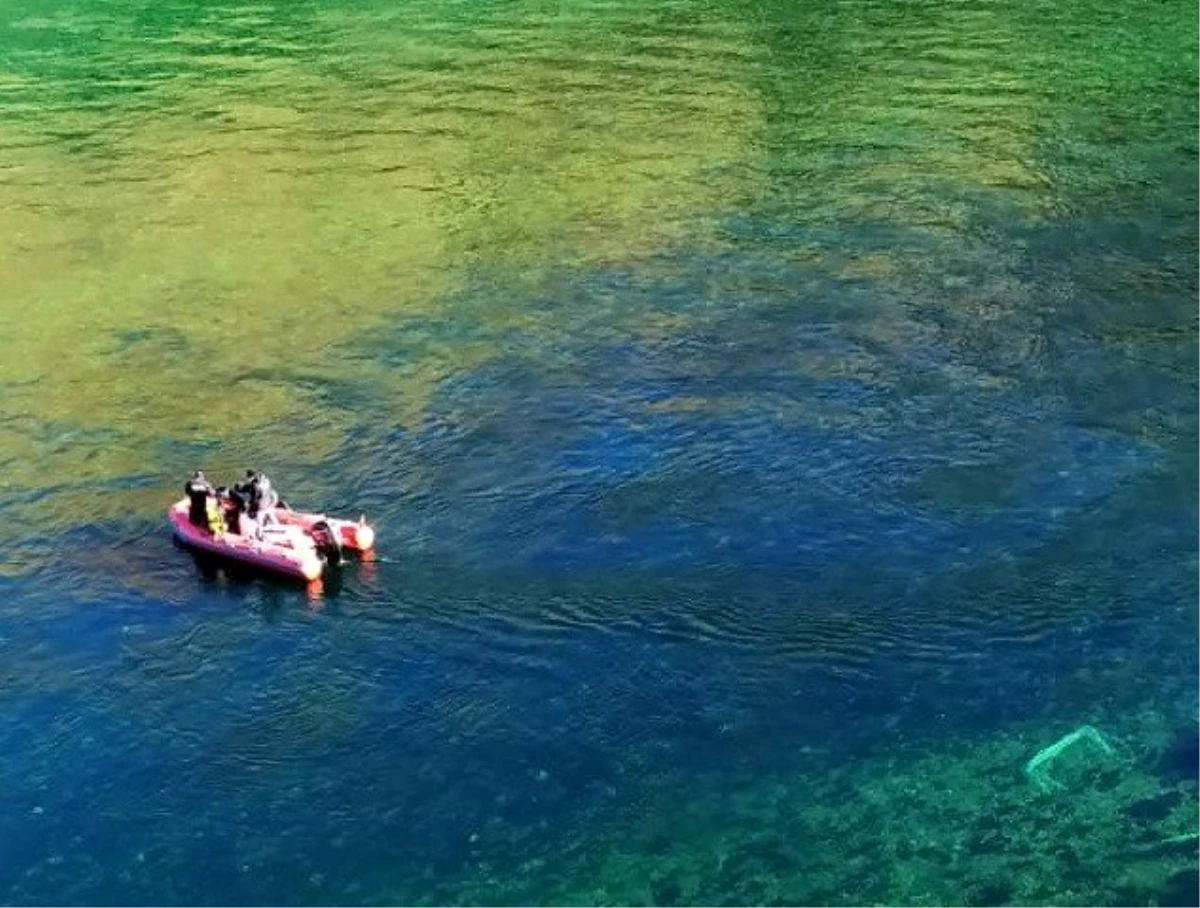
x=295, y=543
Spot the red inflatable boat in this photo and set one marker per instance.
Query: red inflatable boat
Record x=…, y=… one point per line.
x=295, y=544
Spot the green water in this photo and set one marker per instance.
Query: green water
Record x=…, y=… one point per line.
x=781, y=418
x=299, y=174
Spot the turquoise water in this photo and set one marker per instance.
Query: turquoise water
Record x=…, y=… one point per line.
x=780, y=424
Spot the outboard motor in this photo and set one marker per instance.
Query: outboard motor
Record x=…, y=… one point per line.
x=328, y=546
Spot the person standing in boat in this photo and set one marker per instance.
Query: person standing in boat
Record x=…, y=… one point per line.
x=268, y=498
x=199, y=491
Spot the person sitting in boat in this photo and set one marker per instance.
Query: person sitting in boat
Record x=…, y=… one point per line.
x=198, y=490
x=262, y=497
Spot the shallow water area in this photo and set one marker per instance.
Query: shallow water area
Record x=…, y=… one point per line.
x=780, y=424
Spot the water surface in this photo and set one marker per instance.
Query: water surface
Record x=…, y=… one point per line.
x=780, y=422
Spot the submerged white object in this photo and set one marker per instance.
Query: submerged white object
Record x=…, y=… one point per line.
x=1037, y=768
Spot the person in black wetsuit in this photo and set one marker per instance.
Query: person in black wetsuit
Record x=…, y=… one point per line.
x=198, y=489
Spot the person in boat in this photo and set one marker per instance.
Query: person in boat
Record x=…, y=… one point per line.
x=262, y=499
x=245, y=493
x=242, y=498
x=246, y=525
x=268, y=498
x=199, y=491
x=230, y=509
